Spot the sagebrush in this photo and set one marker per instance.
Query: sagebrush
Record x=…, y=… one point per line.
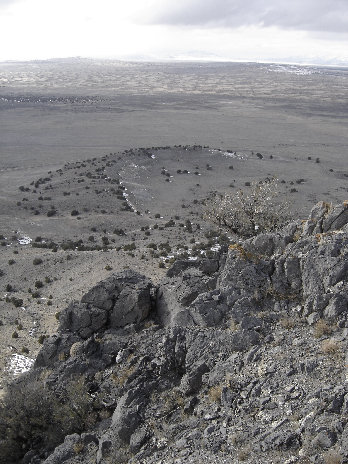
x=259, y=208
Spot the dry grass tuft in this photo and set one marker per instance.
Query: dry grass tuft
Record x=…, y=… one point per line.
x=233, y=325
x=330, y=347
x=214, y=393
x=78, y=447
x=322, y=328
x=123, y=375
x=332, y=457
x=243, y=454
x=287, y=323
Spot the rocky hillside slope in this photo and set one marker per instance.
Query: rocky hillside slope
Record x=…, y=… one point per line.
x=236, y=358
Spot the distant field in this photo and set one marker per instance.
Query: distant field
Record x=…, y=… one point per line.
x=55, y=111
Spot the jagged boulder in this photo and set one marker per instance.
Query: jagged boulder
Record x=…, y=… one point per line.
x=122, y=299
x=125, y=296
x=304, y=265
x=83, y=319
x=325, y=217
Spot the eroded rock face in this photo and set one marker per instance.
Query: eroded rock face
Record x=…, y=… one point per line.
x=176, y=296
x=125, y=296
x=307, y=269
x=122, y=299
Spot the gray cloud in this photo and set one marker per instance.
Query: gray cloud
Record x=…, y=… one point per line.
x=311, y=15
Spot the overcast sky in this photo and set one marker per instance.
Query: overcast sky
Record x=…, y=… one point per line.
x=308, y=31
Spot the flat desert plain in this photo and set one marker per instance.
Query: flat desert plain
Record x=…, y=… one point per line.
x=106, y=165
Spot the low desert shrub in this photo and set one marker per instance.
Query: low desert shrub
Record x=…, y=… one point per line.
x=34, y=417
x=287, y=323
x=51, y=212
x=41, y=339
x=17, y=302
x=249, y=212
x=129, y=247
x=119, y=232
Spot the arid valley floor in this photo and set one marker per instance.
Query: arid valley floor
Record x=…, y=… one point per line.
x=104, y=166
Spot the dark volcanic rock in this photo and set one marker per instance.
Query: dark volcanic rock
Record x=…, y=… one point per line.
x=125, y=296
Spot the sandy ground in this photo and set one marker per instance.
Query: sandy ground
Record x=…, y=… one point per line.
x=70, y=170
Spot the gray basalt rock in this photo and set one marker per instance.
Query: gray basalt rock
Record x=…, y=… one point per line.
x=126, y=417
x=125, y=296
x=175, y=297
x=344, y=443
x=207, y=266
x=55, y=347
x=83, y=319
x=192, y=381
x=337, y=218
x=122, y=299
x=65, y=451
x=314, y=224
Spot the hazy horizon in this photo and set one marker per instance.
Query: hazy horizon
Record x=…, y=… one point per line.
x=173, y=61
x=264, y=31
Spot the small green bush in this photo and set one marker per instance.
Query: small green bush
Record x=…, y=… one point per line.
x=129, y=247
x=17, y=302
x=51, y=212
x=119, y=232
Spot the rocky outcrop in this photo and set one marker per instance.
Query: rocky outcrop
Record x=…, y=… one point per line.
x=238, y=358
x=304, y=266
x=122, y=300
